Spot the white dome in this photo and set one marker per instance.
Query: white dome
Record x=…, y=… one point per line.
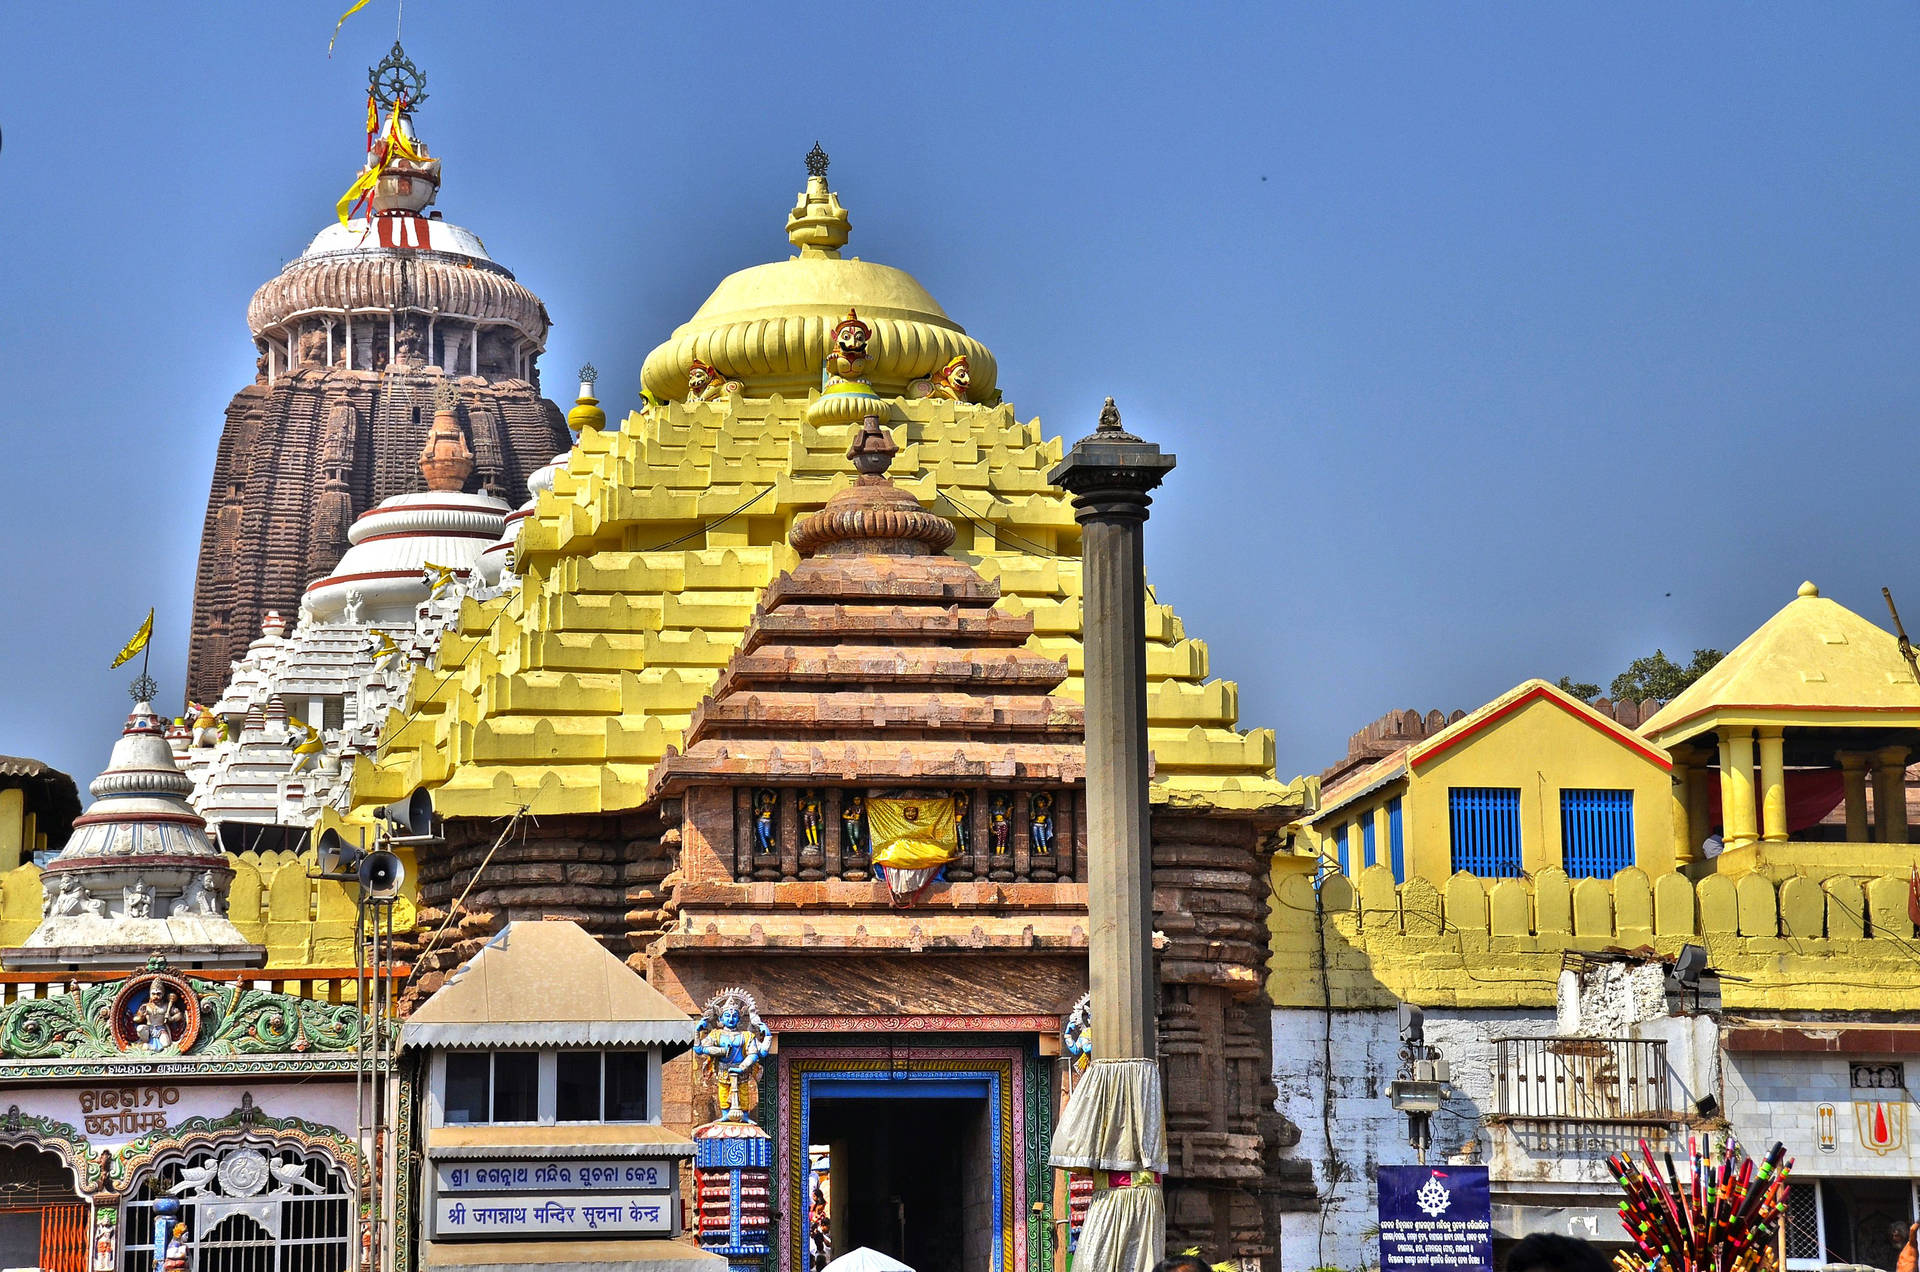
x=392, y=545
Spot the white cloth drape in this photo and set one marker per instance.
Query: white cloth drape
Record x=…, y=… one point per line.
x=1114, y=1122
x=1113, y=1119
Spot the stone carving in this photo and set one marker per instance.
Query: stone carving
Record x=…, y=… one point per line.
x=765, y=838
x=104, y=1226
x=138, y=903
x=356, y=603
x=155, y=1012
x=1000, y=824
x=811, y=822
x=308, y=748
x=1040, y=822
x=705, y=383
x=951, y=381
x=731, y=1040
x=202, y=896
x=853, y=823
x=234, y=1020
x=1076, y=1034
x=69, y=899
x=963, y=820
x=846, y=394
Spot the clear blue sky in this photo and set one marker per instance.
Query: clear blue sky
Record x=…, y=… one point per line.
x=1495, y=341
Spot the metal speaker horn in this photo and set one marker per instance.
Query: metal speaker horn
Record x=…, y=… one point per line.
x=412, y=817
x=337, y=858
x=381, y=874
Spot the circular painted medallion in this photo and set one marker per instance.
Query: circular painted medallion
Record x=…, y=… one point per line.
x=156, y=1012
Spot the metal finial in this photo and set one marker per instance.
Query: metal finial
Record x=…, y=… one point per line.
x=817, y=162
x=444, y=397
x=589, y=373
x=1109, y=418
x=143, y=688
x=395, y=78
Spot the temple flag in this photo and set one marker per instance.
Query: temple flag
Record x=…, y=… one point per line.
x=373, y=119
x=913, y=834
x=138, y=643
x=358, y=5
x=361, y=187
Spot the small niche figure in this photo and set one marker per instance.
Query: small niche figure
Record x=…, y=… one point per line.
x=1000, y=824
x=1040, y=822
x=962, y=822
x=764, y=804
x=853, y=823
x=811, y=818
x=177, y=1256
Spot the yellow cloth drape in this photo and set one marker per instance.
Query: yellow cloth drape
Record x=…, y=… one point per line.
x=913, y=834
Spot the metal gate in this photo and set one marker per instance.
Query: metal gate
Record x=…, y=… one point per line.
x=242, y=1207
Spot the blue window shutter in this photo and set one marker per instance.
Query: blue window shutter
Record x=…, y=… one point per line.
x=1485, y=826
x=1596, y=832
x=1396, y=841
x=1340, y=847
x=1366, y=841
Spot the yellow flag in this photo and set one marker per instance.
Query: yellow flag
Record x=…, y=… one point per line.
x=359, y=5
x=361, y=184
x=913, y=834
x=138, y=643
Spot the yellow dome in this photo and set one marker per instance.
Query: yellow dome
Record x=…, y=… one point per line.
x=769, y=326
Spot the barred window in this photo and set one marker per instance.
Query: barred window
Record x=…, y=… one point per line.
x=1485, y=822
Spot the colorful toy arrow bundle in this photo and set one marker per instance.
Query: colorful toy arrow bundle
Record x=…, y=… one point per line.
x=1722, y=1218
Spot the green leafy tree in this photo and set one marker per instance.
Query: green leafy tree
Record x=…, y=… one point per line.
x=1585, y=690
x=1658, y=676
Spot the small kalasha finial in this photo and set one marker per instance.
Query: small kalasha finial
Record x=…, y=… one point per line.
x=817, y=162
x=872, y=449
x=588, y=374
x=1110, y=417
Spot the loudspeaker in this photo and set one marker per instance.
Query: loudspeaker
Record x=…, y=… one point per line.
x=1413, y=1024
x=411, y=817
x=380, y=874
x=337, y=858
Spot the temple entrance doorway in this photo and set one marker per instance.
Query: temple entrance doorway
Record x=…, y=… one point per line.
x=43, y=1221
x=912, y=1175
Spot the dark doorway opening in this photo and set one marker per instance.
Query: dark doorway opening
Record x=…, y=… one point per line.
x=43, y=1222
x=912, y=1178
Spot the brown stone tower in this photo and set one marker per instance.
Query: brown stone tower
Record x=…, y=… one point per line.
x=355, y=338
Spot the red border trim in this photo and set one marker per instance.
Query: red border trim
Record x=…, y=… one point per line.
x=390, y=512
x=913, y=1024
x=431, y=534
x=1416, y=757
x=377, y=574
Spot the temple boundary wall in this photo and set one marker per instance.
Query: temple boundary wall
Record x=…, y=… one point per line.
x=1843, y=943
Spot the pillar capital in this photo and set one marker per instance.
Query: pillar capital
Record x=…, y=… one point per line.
x=1771, y=731
x=1110, y=472
x=1890, y=756
x=1852, y=761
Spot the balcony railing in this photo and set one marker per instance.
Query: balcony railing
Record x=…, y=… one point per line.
x=1583, y=1080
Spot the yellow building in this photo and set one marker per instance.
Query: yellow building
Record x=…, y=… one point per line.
x=1534, y=779
x=37, y=808
x=1547, y=974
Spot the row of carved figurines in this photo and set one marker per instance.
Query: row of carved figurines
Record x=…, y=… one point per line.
x=70, y=899
x=846, y=363
x=854, y=837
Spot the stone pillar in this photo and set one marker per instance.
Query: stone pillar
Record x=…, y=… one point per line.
x=1853, y=777
x=1890, y=794
x=1699, y=803
x=1773, y=784
x=1736, y=787
x=1110, y=474
x=1112, y=1125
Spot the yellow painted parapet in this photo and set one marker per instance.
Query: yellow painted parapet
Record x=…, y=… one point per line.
x=641, y=569
x=1801, y=945
x=274, y=901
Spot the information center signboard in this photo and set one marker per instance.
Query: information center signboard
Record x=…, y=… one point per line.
x=1435, y=1219
x=597, y=1197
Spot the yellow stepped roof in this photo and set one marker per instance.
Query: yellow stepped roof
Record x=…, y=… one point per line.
x=1815, y=662
x=638, y=584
